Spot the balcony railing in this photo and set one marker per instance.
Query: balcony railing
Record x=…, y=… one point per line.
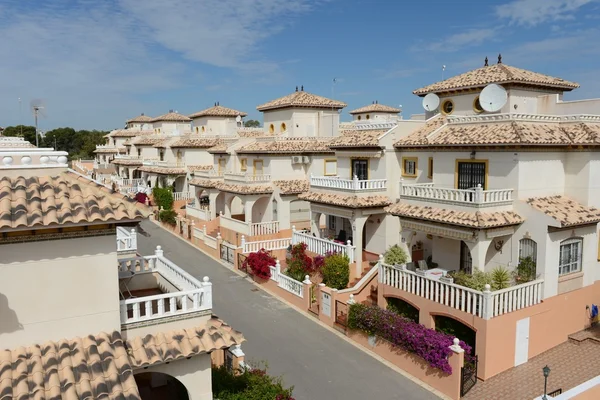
x=246, y=177
x=182, y=196
x=166, y=164
x=248, y=228
x=126, y=239
x=322, y=246
x=202, y=212
x=192, y=295
x=127, y=157
x=467, y=197
x=483, y=304
x=335, y=182
x=208, y=174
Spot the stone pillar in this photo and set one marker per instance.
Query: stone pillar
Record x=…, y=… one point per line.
x=357, y=231
x=314, y=223
x=479, y=251
x=212, y=203
x=456, y=361
x=307, y=287
x=284, y=214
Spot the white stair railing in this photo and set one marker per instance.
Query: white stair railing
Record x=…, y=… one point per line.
x=322, y=246
x=269, y=245
x=264, y=228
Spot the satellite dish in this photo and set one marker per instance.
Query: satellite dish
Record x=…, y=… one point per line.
x=238, y=119
x=431, y=102
x=493, y=97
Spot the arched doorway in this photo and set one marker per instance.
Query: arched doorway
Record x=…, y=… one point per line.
x=403, y=307
x=237, y=208
x=158, y=386
x=259, y=209
x=456, y=328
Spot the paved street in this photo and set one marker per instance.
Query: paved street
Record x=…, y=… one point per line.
x=319, y=364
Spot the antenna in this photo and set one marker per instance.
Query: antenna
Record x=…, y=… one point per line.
x=443, y=69
x=20, y=117
x=333, y=82
x=431, y=102
x=37, y=108
x=493, y=97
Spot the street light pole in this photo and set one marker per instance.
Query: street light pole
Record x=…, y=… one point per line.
x=546, y=371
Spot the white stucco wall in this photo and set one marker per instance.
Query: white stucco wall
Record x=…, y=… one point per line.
x=214, y=125
x=554, y=105
x=57, y=289
x=303, y=122
x=171, y=127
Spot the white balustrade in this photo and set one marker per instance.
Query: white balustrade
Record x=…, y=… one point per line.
x=335, y=182
x=484, y=304
x=476, y=196
x=235, y=225
x=322, y=246
x=291, y=285
x=177, y=196
x=202, y=213
x=162, y=163
x=126, y=239
x=269, y=245
x=210, y=241
x=246, y=177
x=264, y=228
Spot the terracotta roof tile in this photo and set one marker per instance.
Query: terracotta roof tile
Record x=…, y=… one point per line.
x=292, y=186
x=147, y=140
x=92, y=367
x=218, y=111
x=476, y=219
x=376, y=108
x=140, y=118
x=301, y=99
x=346, y=201
x=172, y=117
x=290, y=145
x=65, y=198
x=205, y=183
x=244, y=189
x=110, y=150
x=128, y=133
x=121, y=161
x=497, y=73
x=419, y=137
x=162, y=170
x=195, y=141
x=564, y=210
x=358, y=138
x=258, y=132
x=219, y=148
x=194, y=168
x=163, y=347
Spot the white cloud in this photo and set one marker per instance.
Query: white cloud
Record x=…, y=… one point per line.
x=470, y=38
x=534, y=12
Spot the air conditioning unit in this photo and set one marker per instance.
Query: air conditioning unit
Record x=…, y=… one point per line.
x=296, y=159
x=305, y=160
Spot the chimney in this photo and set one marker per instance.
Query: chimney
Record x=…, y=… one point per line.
x=170, y=111
x=142, y=114
x=499, y=58
x=296, y=88
x=486, y=62
x=302, y=88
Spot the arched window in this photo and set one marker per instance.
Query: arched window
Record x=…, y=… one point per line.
x=368, y=116
x=528, y=248
x=197, y=130
x=359, y=117
x=571, y=251
x=203, y=129
x=283, y=127
x=271, y=128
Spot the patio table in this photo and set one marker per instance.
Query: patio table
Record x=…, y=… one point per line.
x=435, y=273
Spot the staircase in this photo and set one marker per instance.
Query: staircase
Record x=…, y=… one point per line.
x=365, y=270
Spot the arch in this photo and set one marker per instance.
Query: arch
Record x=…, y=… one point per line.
x=157, y=385
x=452, y=326
x=271, y=128
x=220, y=203
x=259, y=209
x=528, y=248
x=178, y=184
x=403, y=307
x=237, y=208
x=283, y=127
x=299, y=211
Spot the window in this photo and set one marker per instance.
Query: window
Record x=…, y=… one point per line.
x=114, y=142
x=477, y=106
x=271, y=128
x=222, y=164
x=158, y=130
x=283, y=127
x=470, y=173
x=243, y=164
x=161, y=154
x=330, y=167
x=331, y=222
x=409, y=166
x=359, y=117
x=258, y=167
x=570, y=256
x=203, y=129
x=528, y=248
x=179, y=156
x=139, y=151
x=447, y=107
x=197, y=130
x=128, y=150
x=360, y=169
x=430, y=168
x=368, y=116
x=466, y=262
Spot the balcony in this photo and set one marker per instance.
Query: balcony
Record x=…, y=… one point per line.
x=127, y=157
x=348, y=185
x=126, y=240
x=244, y=177
x=164, y=164
x=153, y=290
x=208, y=174
x=476, y=197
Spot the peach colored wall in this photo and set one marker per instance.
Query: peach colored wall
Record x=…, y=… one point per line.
x=591, y=394
x=416, y=366
x=550, y=324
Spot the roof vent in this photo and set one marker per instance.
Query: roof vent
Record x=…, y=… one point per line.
x=296, y=88
x=486, y=62
x=499, y=58
x=142, y=114
x=302, y=88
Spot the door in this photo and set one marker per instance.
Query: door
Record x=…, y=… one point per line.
x=466, y=262
x=360, y=168
x=471, y=174
x=522, y=342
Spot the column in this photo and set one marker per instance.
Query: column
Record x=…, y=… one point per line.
x=212, y=202
x=357, y=236
x=479, y=251
x=314, y=223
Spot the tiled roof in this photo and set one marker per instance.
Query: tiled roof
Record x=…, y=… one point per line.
x=244, y=189
x=140, y=118
x=511, y=132
x=121, y=161
x=163, y=347
x=125, y=133
x=376, y=108
x=301, y=99
x=162, y=170
x=564, y=210
x=346, y=201
x=111, y=150
x=218, y=111
x=205, y=183
x=290, y=145
x=497, y=73
x=147, y=140
x=92, y=367
x=475, y=219
x=67, y=198
x=219, y=148
x=292, y=186
x=172, y=117
x=258, y=132
x=357, y=138
x=195, y=141
x=205, y=167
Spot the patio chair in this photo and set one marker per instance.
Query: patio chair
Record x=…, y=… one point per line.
x=423, y=265
x=411, y=266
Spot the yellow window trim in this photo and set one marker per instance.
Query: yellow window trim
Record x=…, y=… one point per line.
x=444, y=103
x=329, y=160
x=271, y=128
x=416, y=160
x=430, y=168
x=222, y=164
x=487, y=170
x=477, y=110
x=368, y=166
x=254, y=162
x=243, y=164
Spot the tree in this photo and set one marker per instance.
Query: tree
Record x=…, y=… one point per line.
x=28, y=132
x=252, y=123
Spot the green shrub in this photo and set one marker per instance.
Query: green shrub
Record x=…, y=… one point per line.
x=336, y=271
x=500, y=278
x=395, y=255
x=476, y=281
x=525, y=271
x=163, y=198
x=253, y=384
x=456, y=329
x=168, y=216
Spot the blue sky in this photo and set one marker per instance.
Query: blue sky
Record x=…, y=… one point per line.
x=98, y=63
